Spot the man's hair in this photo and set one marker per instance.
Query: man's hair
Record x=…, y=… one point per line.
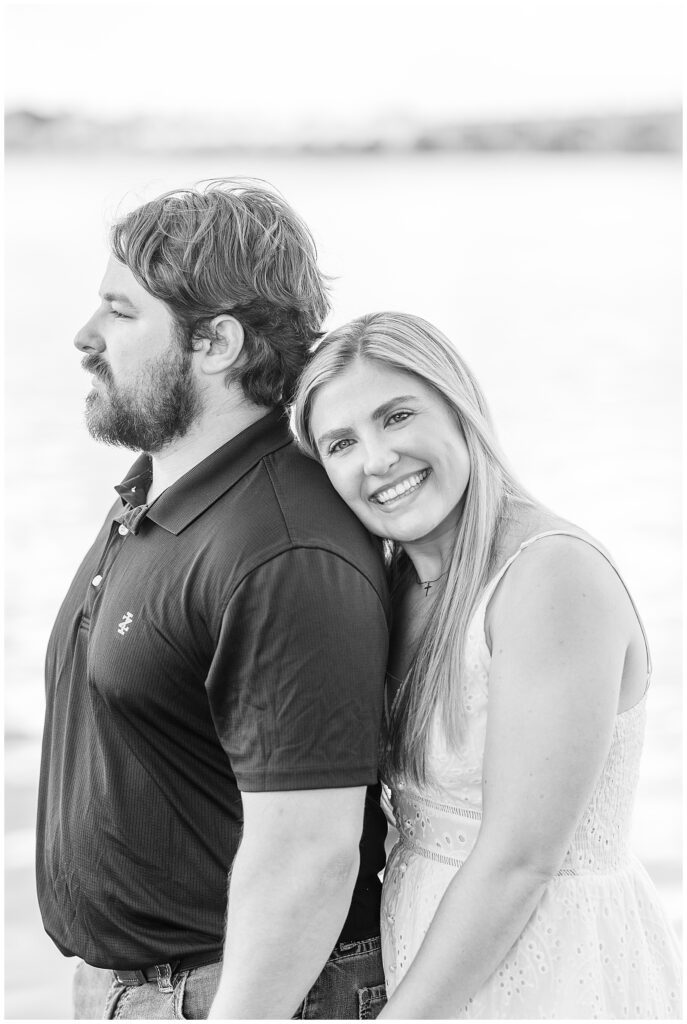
x=233, y=246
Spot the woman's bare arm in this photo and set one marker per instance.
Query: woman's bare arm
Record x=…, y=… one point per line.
x=560, y=635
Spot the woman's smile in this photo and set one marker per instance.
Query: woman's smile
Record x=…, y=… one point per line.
x=391, y=496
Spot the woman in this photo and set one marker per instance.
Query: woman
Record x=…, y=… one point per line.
x=516, y=703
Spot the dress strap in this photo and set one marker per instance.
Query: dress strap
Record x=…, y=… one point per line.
x=491, y=585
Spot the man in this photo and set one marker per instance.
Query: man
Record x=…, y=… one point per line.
x=214, y=676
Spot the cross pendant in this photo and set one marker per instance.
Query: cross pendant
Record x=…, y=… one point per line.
x=427, y=586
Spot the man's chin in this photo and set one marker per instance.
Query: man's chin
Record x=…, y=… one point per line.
x=113, y=421
x=101, y=428
x=118, y=435
x=106, y=437
x=97, y=403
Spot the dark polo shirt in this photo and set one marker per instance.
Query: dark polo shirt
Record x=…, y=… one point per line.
x=231, y=638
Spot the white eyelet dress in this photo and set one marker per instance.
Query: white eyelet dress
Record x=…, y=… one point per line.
x=598, y=944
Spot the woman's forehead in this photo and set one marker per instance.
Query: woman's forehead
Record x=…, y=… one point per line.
x=369, y=376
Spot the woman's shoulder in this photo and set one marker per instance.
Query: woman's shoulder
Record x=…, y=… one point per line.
x=562, y=588
x=552, y=559
x=538, y=535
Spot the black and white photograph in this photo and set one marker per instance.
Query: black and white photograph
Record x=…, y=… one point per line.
x=343, y=489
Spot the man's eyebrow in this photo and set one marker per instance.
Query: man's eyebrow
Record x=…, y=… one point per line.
x=119, y=297
x=378, y=414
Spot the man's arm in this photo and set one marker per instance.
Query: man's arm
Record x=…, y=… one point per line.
x=289, y=895
x=295, y=691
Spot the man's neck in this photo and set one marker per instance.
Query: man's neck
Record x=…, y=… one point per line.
x=207, y=434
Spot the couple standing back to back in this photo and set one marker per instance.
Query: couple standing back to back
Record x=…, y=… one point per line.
x=216, y=674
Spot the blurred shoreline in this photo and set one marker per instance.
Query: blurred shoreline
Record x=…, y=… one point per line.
x=653, y=131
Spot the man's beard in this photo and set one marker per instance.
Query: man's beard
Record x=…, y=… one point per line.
x=157, y=408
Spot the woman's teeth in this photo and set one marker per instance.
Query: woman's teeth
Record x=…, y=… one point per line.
x=411, y=483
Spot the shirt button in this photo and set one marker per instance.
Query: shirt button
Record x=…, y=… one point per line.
x=97, y=580
x=123, y=530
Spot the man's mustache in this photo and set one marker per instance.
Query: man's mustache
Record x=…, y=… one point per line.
x=93, y=363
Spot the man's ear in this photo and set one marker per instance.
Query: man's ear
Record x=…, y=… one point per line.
x=223, y=346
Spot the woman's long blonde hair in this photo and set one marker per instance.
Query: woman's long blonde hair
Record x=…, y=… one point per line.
x=412, y=345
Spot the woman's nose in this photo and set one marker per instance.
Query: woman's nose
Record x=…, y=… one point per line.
x=379, y=458
x=88, y=339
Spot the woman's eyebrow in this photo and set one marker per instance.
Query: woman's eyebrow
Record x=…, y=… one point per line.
x=379, y=413
x=381, y=410
x=333, y=435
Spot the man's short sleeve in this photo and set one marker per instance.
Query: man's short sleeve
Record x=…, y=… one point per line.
x=296, y=684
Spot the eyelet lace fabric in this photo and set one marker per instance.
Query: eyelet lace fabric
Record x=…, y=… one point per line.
x=598, y=945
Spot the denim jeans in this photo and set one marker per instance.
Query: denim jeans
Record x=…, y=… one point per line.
x=350, y=987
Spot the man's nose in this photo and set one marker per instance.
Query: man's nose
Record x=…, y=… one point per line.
x=88, y=338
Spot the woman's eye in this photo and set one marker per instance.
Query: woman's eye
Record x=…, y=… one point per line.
x=118, y=315
x=340, y=446
x=398, y=417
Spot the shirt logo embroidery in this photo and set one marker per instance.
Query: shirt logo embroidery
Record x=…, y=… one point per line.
x=125, y=623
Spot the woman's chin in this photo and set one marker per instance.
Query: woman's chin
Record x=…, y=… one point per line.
x=400, y=533
x=419, y=530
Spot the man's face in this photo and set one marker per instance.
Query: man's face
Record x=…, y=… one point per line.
x=145, y=394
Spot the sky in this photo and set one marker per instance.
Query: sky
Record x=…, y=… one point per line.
x=287, y=60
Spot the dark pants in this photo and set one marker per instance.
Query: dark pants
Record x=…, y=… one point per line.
x=350, y=987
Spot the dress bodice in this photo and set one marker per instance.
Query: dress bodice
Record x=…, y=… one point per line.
x=443, y=819
x=598, y=944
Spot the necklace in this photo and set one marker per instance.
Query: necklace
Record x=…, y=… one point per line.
x=427, y=584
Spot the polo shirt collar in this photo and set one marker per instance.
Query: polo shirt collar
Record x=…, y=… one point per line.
x=136, y=484
x=194, y=492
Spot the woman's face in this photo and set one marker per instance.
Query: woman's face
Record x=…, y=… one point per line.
x=394, y=451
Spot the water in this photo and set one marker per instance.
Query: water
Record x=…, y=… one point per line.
x=557, y=277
